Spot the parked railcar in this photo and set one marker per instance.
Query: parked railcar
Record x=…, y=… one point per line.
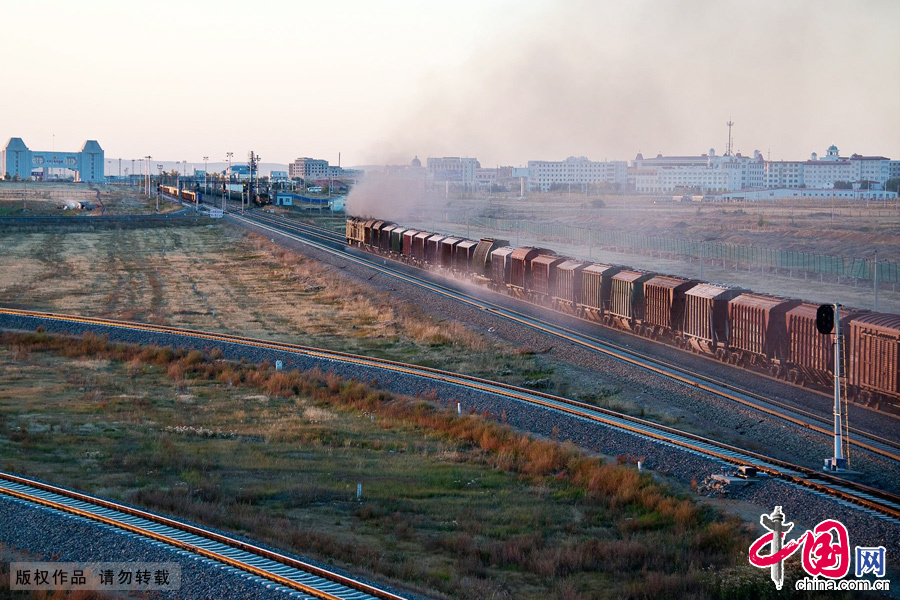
x=567, y=288
x=706, y=318
x=758, y=334
x=664, y=305
x=626, y=300
x=596, y=285
x=874, y=374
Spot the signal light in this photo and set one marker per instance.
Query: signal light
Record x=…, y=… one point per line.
x=825, y=319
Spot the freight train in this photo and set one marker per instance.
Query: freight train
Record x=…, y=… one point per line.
x=759, y=332
x=184, y=194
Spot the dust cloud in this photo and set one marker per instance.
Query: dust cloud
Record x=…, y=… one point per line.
x=609, y=79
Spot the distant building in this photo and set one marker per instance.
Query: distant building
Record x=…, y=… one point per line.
x=452, y=169
x=313, y=169
x=238, y=172
x=17, y=160
x=578, y=171
x=278, y=176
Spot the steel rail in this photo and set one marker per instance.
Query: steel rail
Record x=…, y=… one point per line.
x=69, y=501
x=668, y=370
x=866, y=496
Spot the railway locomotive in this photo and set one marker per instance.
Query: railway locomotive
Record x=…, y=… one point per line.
x=759, y=332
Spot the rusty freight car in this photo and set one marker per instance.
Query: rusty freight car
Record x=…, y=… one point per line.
x=567, y=291
x=758, y=334
x=626, y=300
x=664, y=305
x=543, y=278
x=810, y=353
x=706, y=318
x=596, y=284
x=874, y=373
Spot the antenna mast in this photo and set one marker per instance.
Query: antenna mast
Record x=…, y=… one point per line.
x=728, y=148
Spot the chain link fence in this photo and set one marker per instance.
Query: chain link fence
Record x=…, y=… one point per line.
x=750, y=256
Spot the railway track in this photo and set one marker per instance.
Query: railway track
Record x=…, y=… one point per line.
x=333, y=243
x=295, y=575
x=884, y=504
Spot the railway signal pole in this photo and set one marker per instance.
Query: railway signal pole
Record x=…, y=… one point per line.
x=828, y=318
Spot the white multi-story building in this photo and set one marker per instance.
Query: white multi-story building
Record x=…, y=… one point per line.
x=453, y=169
x=706, y=173
x=875, y=169
x=784, y=174
x=308, y=168
x=580, y=171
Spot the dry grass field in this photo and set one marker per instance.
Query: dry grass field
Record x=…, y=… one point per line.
x=27, y=199
x=219, y=279
x=452, y=506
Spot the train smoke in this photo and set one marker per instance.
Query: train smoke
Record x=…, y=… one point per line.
x=609, y=79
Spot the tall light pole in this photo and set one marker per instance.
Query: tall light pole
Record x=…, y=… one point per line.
x=205, y=174
x=159, y=168
x=227, y=188
x=148, y=157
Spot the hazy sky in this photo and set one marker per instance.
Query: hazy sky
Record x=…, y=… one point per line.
x=505, y=81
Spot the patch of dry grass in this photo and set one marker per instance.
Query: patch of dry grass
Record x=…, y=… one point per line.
x=453, y=505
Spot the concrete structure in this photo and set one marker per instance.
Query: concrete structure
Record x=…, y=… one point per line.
x=576, y=171
x=17, y=160
x=453, y=169
x=308, y=168
x=313, y=169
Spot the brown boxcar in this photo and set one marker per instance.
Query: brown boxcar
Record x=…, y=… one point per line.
x=664, y=304
x=626, y=299
x=397, y=239
x=433, y=249
x=810, y=353
x=367, y=231
x=758, y=333
x=596, y=285
x=375, y=233
x=706, y=318
x=409, y=243
x=481, y=261
x=520, y=271
x=384, y=237
x=874, y=373
x=448, y=245
x=419, y=245
x=543, y=275
x=567, y=290
x=500, y=267
x=462, y=257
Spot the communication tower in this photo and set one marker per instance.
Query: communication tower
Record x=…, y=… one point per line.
x=728, y=147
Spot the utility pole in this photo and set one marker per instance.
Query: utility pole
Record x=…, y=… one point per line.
x=875, y=283
x=205, y=174
x=147, y=158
